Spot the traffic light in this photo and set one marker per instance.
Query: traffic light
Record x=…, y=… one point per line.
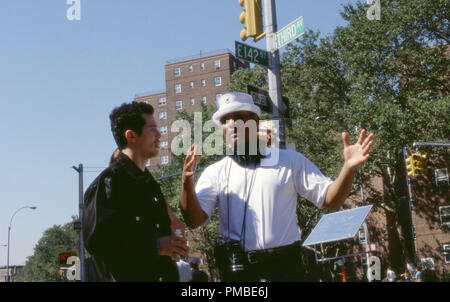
x=251, y=17
x=416, y=164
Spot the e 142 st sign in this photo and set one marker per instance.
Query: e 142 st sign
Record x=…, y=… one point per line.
x=252, y=54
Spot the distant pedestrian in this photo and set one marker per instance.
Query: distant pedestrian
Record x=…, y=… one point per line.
x=114, y=156
x=418, y=277
x=406, y=276
x=390, y=275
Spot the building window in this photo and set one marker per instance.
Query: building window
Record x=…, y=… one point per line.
x=203, y=99
x=444, y=214
x=218, y=97
x=191, y=84
x=177, y=72
x=218, y=81
x=203, y=83
x=191, y=68
x=164, y=160
x=441, y=176
x=162, y=115
x=164, y=145
x=217, y=64
x=177, y=88
x=362, y=235
x=178, y=105
x=202, y=66
x=446, y=249
x=161, y=102
x=192, y=102
x=163, y=130
x=427, y=264
x=234, y=65
x=148, y=163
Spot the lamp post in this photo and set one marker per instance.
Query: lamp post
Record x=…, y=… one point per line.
x=3, y=245
x=9, y=244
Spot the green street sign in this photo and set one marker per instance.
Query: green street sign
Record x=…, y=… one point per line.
x=290, y=32
x=252, y=54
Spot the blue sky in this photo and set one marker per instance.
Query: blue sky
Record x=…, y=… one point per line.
x=60, y=79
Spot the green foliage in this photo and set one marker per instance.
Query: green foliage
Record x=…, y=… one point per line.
x=256, y=76
x=389, y=77
x=43, y=265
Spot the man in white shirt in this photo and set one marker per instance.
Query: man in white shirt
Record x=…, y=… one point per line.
x=257, y=198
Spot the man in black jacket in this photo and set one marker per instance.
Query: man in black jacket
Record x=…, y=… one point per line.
x=127, y=223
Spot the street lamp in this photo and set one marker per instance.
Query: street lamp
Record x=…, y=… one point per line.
x=9, y=244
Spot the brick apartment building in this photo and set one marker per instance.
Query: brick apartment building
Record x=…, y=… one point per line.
x=430, y=212
x=430, y=222
x=190, y=81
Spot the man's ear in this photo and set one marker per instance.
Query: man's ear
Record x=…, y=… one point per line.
x=130, y=135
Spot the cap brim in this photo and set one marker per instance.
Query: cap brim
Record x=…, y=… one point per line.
x=234, y=108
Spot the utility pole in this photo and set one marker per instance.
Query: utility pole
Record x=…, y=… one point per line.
x=274, y=75
x=366, y=231
x=80, y=215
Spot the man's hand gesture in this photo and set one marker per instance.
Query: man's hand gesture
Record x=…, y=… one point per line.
x=357, y=154
x=190, y=164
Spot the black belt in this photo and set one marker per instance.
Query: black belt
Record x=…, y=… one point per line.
x=260, y=255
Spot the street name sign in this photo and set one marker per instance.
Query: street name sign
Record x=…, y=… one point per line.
x=290, y=32
x=261, y=98
x=252, y=54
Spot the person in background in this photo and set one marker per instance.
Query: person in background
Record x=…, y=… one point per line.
x=406, y=276
x=418, y=277
x=390, y=275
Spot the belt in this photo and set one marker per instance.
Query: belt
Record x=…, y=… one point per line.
x=260, y=255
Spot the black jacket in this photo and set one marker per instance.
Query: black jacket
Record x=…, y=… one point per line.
x=124, y=212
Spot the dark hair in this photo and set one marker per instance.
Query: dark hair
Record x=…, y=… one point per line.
x=128, y=117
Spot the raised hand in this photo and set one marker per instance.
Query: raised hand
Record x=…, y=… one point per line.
x=358, y=153
x=190, y=164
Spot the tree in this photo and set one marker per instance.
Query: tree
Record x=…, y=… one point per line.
x=43, y=265
x=390, y=77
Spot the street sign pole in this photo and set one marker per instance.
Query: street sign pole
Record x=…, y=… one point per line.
x=274, y=75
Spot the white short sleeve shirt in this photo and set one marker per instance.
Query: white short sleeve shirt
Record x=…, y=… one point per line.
x=271, y=193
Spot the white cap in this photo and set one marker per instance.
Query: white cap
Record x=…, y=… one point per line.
x=234, y=102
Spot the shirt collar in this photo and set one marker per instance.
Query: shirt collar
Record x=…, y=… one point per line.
x=132, y=169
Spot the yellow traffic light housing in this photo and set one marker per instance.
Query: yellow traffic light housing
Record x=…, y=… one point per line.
x=416, y=164
x=251, y=17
